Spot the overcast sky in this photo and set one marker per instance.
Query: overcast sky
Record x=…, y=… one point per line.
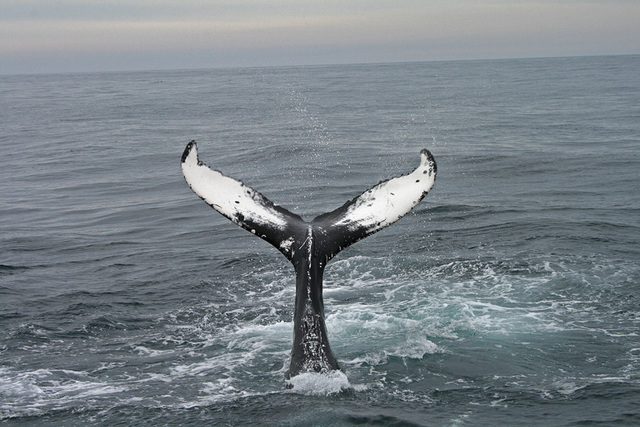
x=86, y=35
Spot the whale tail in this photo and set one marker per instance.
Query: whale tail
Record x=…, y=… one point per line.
x=366, y=214
x=309, y=245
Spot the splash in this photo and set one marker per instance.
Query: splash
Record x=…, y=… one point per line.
x=313, y=384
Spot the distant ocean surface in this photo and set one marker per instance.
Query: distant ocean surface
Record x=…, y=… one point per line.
x=509, y=296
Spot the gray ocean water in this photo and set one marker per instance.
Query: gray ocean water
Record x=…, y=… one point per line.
x=509, y=296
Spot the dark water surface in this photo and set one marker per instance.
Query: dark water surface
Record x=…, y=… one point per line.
x=511, y=295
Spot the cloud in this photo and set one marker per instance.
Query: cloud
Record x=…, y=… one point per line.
x=290, y=31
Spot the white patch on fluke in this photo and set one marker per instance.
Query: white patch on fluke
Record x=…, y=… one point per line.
x=390, y=200
x=285, y=245
x=231, y=198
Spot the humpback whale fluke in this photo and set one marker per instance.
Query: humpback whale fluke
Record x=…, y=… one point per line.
x=309, y=245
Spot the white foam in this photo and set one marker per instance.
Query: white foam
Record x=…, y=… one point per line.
x=413, y=348
x=314, y=384
x=416, y=348
x=31, y=392
x=567, y=387
x=13, y=386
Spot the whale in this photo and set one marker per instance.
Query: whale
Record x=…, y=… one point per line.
x=309, y=245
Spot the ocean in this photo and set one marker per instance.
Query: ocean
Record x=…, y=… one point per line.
x=509, y=296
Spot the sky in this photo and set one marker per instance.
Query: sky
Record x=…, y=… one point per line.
x=45, y=36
